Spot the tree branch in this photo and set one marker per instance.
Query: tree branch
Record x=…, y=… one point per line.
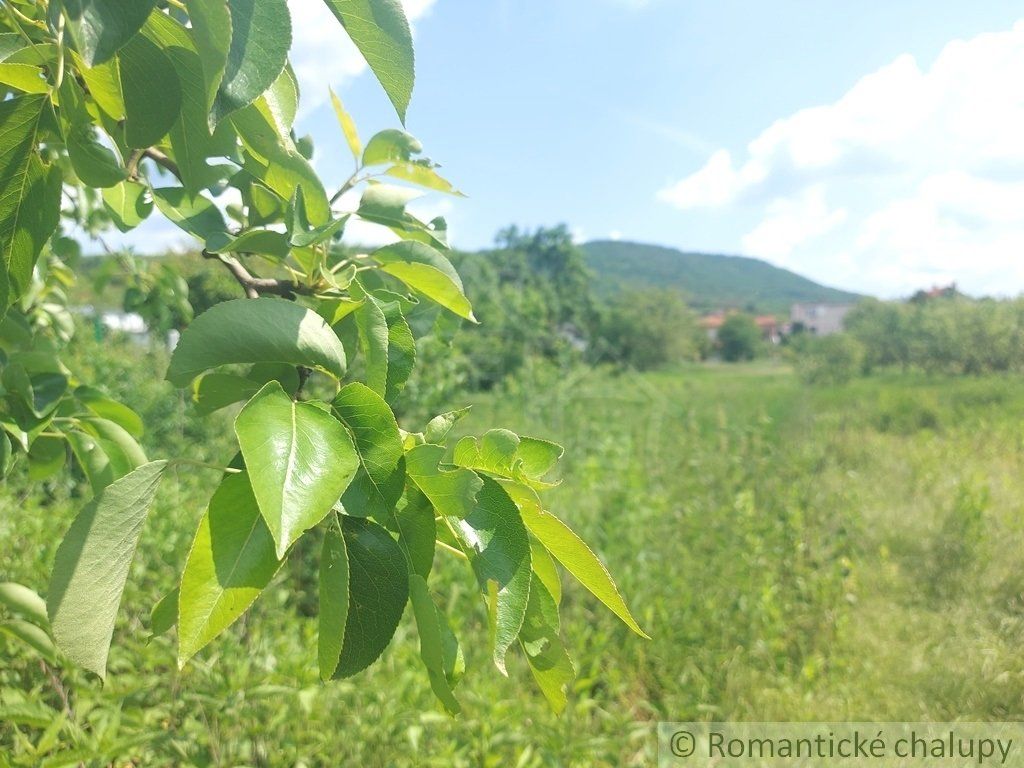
x=255, y=287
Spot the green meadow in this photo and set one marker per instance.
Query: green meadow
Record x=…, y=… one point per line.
x=849, y=552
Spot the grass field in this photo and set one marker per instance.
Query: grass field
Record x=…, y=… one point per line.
x=850, y=553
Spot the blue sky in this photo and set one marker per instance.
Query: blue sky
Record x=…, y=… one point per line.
x=690, y=124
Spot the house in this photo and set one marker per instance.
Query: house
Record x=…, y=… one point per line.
x=819, y=319
x=768, y=325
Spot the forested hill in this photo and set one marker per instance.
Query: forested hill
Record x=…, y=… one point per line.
x=708, y=281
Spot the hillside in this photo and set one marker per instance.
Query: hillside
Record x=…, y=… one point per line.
x=708, y=281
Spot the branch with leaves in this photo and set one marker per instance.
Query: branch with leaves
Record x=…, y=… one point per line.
x=126, y=110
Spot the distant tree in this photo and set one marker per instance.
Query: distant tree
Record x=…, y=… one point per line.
x=647, y=329
x=739, y=338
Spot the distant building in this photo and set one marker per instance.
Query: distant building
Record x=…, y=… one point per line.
x=768, y=324
x=819, y=319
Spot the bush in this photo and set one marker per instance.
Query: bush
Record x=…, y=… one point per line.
x=832, y=359
x=648, y=329
x=739, y=338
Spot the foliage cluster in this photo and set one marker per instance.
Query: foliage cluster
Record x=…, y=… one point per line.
x=112, y=112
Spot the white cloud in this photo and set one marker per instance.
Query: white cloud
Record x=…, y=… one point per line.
x=790, y=222
x=323, y=55
x=923, y=168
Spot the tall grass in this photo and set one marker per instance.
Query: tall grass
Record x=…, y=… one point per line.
x=836, y=553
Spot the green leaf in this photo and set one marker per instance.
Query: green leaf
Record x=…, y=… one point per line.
x=494, y=537
x=103, y=82
x=549, y=662
x=164, y=614
x=378, y=591
x=574, y=555
x=333, y=600
x=373, y=341
x=544, y=569
x=439, y=426
x=214, y=391
x=194, y=214
x=381, y=477
x=428, y=624
x=506, y=454
x=272, y=158
x=417, y=532
x=94, y=164
x=27, y=78
x=152, y=92
x=427, y=271
x=256, y=331
x=391, y=146
x=262, y=241
x=99, y=28
x=231, y=561
x=381, y=33
x=422, y=175
x=401, y=349
x=128, y=204
x=119, y=445
x=452, y=492
x=211, y=29
x=29, y=195
x=300, y=460
x=91, y=566
x=190, y=138
x=22, y=601
x=106, y=407
x=261, y=34
x=348, y=126
x=46, y=458
x=32, y=636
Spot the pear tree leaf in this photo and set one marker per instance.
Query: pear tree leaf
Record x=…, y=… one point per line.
x=452, y=492
x=428, y=624
x=99, y=28
x=256, y=331
x=381, y=32
x=300, y=459
x=261, y=34
x=381, y=477
x=498, y=546
x=334, y=586
x=549, y=661
x=91, y=566
x=231, y=562
x=378, y=592
x=571, y=551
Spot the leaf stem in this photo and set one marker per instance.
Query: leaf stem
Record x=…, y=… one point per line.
x=205, y=465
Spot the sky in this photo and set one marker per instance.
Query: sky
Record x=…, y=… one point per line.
x=877, y=147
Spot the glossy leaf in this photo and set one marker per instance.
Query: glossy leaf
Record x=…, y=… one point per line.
x=381, y=33
x=506, y=454
x=91, y=566
x=152, y=92
x=549, y=662
x=94, y=164
x=231, y=561
x=401, y=349
x=193, y=213
x=107, y=408
x=211, y=29
x=32, y=636
x=256, y=331
x=381, y=477
x=300, y=460
x=262, y=241
x=128, y=204
x=417, y=532
x=574, y=555
x=494, y=537
x=26, y=78
x=439, y=426
x=24, y=602
x=427, y=271
x=261, y=34
x=348, y=126
x=333, y=591
x=373, y=342
x=391, y=146
x=100, y=27
x=29, y=195
x=428, y=625
x=452, y=492
x=378, y=592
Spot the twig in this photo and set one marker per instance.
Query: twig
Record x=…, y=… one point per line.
x=253, y=286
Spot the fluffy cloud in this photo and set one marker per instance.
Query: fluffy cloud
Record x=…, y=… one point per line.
x=322, y=54
x=914, y=175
